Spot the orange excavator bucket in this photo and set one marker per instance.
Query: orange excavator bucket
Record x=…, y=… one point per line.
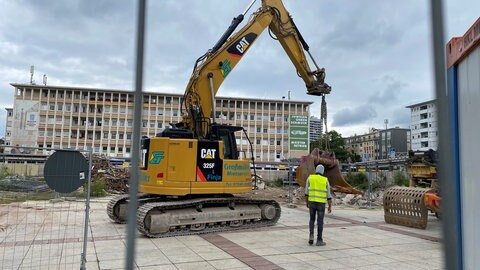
x=332, y=171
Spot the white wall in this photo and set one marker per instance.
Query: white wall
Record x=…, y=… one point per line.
x=469, y=135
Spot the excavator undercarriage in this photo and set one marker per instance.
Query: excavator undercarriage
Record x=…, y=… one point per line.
x=164, y=217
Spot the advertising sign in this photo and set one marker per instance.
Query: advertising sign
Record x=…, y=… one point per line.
x=299, y=132
x=25, y=122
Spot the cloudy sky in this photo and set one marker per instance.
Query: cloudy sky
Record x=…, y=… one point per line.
x=377, y=53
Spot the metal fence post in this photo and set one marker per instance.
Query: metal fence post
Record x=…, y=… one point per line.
x=87, y=210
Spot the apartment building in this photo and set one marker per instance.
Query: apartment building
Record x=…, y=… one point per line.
x=379, y=144
x=365, y=145
x=423, y=125
x=102, y=120
x=315, y=129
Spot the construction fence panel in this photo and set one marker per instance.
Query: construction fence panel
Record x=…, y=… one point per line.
x=40, y=228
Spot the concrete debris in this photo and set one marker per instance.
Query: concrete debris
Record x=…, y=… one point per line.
x=257, y=182
x=349, y=200
x=260, y=185
x=116, y=177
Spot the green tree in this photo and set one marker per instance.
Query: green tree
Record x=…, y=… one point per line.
x=334, y=141
x=401, y=179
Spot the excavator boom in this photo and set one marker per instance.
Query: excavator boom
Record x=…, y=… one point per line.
x=212, y=68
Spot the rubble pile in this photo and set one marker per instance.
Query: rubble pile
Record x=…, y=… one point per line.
x=116, y=177
x=340, y=199
x=298, y=194
x=356, y=200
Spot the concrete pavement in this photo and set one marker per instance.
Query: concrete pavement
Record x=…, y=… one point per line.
x=356, y=239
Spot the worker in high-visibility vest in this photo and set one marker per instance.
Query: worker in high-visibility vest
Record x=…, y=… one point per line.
x=317, y=194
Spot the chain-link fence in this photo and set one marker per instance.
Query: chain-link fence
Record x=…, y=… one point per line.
x=43, y=212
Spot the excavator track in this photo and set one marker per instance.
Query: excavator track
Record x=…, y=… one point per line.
x=205, y=215
x=406, y=206
x=117, y=208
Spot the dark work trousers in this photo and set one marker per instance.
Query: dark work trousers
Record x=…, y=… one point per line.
x=317, y=209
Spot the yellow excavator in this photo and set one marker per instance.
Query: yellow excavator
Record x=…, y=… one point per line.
x=191, y=171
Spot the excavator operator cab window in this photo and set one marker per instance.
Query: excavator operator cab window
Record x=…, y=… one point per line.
x=229, y=144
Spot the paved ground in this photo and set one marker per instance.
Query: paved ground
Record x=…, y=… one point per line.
x=356, y=239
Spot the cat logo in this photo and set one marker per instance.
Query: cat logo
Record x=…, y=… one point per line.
x=208, y=153
x=240, y=46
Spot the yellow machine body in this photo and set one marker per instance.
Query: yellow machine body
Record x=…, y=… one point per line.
x=180, y=167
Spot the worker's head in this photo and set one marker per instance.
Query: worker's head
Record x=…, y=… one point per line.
x=319, y=169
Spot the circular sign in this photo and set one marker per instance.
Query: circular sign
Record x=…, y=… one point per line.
x=65, y=171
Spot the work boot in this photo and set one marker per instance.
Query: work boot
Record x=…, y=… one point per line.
x=310, y=239
x=320, y=243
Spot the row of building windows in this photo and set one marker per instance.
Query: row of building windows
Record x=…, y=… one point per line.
x=162, y=112
x=149, y=99
x=90, y=122
x=422, y=108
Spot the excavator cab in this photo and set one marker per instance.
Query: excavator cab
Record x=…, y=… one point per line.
x=226, y=134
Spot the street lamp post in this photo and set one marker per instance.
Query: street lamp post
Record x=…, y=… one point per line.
x=386, y=126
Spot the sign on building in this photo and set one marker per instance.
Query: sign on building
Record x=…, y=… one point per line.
x=299, y=132
x=25, y=122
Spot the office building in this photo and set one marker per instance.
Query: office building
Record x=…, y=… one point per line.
x=393, y=142
x=102, y=120
x=378, y=144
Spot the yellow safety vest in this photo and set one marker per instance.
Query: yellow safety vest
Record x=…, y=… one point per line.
x=317, y=190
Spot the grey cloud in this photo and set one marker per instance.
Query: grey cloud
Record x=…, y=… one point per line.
x=360, y=114
x=401, y=117
x=91, y=43
x=392, y=90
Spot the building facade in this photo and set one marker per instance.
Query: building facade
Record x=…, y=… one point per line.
x=423, y=125
x=380, y=144
x=366, y=145
x=8, y=126
x=102, y=119
x=315, y=129
x=393, y=142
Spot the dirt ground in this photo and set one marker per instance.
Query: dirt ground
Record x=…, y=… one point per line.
x=279, y=194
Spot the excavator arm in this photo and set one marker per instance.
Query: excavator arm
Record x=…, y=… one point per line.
x=212, y=68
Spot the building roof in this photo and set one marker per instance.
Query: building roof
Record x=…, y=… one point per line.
x=420, y=104
x=78, y=88
x=459, y=47
x=394, y=128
